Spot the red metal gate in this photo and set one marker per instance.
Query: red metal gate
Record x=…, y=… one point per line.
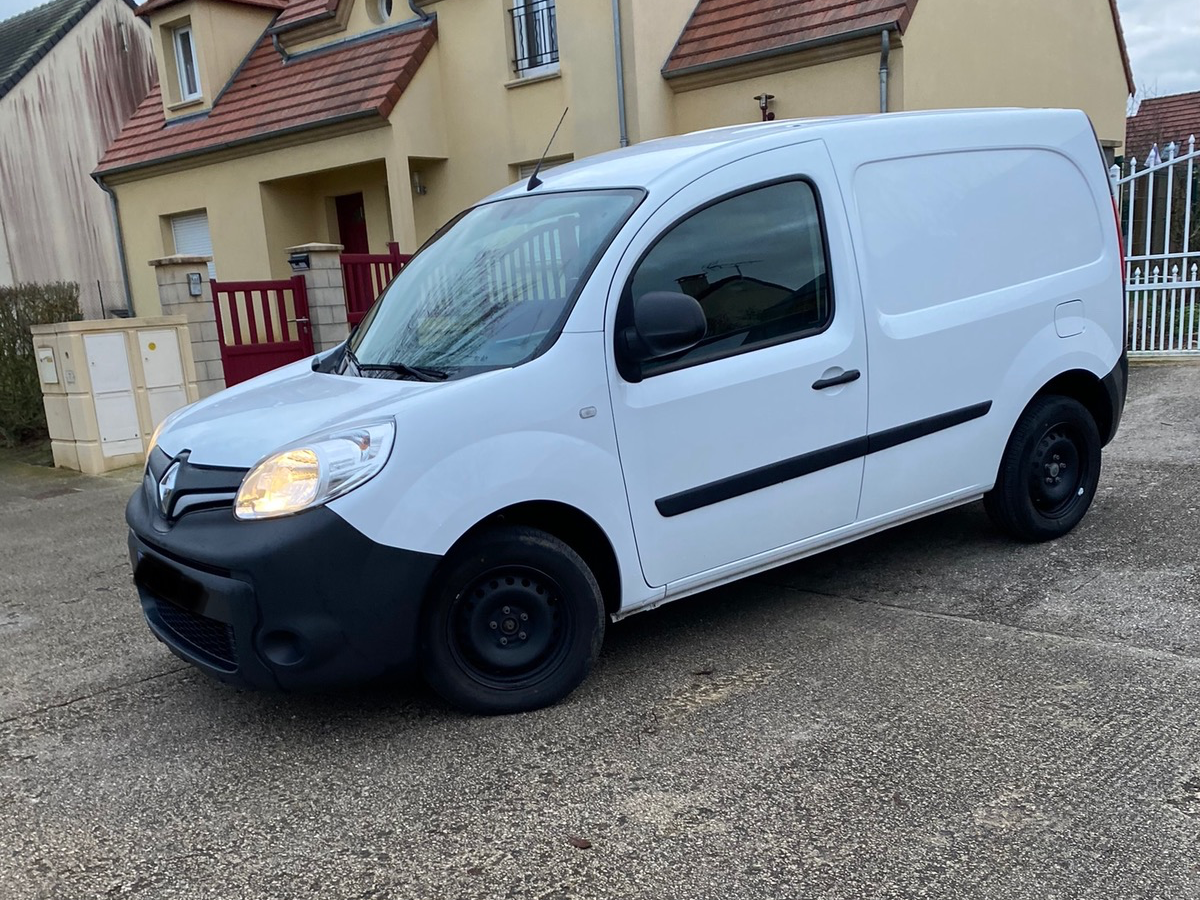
x=262, y=325
x=365, y=275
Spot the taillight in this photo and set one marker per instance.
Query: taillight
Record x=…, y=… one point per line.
x=1124, y=296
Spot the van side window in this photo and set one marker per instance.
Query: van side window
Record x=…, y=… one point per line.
x=756, y=263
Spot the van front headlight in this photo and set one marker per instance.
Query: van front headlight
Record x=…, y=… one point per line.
x=314, y=471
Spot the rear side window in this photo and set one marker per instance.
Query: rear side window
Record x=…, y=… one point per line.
x=756, y=263
x=939, y=229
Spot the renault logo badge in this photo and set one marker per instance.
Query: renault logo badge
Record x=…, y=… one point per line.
x=166, y=488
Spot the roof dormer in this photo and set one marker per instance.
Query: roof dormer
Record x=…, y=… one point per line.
x=199, y=44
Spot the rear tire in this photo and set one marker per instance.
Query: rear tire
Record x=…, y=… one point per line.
x=514, y=622
x=1049, y=472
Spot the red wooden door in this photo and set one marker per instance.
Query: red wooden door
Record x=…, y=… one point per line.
x=352, y=223
x=262, y=325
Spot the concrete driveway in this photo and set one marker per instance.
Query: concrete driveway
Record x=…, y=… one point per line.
x=933, y=712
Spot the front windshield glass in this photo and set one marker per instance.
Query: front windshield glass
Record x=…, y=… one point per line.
x=493, y=287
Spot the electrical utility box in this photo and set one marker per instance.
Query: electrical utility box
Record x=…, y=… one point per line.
x=107, y=384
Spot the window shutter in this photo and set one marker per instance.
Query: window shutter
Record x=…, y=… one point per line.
x=526, y=169
x=192, y=237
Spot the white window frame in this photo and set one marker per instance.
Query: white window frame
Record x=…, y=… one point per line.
x=180, y=65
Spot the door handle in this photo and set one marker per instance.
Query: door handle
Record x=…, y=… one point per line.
x=292, y=321
x=845, y=378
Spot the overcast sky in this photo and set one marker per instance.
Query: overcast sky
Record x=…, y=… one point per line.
x=1163, y=37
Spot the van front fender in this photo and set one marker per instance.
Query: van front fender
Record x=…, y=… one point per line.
x=427, y=505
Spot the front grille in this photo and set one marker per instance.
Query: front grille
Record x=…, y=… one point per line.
x=200, y=634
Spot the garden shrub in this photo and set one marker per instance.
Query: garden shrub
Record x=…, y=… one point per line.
x=22, y=416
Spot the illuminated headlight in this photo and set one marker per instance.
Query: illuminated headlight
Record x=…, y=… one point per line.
x=313, y=471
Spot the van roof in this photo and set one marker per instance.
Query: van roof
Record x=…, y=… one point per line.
x=674, y=161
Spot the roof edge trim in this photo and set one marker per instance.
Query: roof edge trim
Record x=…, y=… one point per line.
x=99, y=173
x=784, y=50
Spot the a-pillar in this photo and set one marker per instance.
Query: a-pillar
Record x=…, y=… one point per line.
x=184, y=289
x=326, y=292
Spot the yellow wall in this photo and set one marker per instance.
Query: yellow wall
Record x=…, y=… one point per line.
x=301, y=209
x=835, y=88
x=465, y=121
x=1017, y=53
x=649, y=32
x=238, y=211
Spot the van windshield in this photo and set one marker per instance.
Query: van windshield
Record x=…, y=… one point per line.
x=493, y=288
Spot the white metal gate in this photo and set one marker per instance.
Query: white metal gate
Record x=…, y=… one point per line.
x=1160, y=224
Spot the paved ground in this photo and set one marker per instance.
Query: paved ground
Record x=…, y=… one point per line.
x=934, y=712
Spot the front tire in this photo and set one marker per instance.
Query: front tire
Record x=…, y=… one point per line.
x=1049, y=472
x=514, y=622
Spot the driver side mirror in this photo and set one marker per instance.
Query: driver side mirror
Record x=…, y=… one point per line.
x=664, y=323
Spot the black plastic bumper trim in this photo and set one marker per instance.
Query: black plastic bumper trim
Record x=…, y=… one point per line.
x=348, y=606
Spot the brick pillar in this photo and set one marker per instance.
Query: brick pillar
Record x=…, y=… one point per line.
x=326, y=293
x=175, y=295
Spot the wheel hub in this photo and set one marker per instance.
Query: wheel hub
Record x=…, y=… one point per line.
x=509, y=623
x=1056, y=471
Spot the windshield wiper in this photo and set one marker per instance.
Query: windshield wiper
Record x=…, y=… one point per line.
x=420, y=373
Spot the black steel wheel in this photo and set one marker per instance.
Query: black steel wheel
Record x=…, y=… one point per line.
x=1049, y=472
x=515, y=622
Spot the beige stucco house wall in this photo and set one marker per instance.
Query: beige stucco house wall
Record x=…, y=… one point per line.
x=55, y=222
x=961, y=53
x=466, y=123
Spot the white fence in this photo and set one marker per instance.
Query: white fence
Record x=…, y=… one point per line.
x=1160, y=224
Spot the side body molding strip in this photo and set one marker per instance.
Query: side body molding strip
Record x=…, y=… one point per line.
x=807, y=463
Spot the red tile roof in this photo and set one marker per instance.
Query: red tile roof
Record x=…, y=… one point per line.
x=153, y=5
x=267, y=96
x=725, y=32
x=299, y=11
x=1161, y=120
x=728, y=31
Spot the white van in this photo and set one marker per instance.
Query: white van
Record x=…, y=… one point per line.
x=661, y=370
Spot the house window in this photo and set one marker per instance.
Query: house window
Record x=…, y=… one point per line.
x=535, y=37
x=185, y=63
x=379, y=11
x=524, y=170
x=192, y=237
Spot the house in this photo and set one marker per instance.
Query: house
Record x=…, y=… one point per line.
x=359, y=122
x=1160, y=121
x=71, y=73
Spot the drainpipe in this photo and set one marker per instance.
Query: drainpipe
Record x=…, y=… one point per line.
x=621, y=121
x=884, y=50
x=418, y=12
x=116, y=214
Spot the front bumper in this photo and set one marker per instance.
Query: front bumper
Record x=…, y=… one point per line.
x=301, y=602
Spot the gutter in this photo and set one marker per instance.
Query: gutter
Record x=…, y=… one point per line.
x=622, y=122
x=116, y=214
x=885, y=48
x=773, y=52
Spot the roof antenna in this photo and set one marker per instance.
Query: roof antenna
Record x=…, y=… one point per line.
x=534, y=181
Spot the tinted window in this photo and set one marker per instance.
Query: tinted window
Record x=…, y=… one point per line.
x=756, y=264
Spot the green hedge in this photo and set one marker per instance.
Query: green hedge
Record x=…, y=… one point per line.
x=22, y=416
